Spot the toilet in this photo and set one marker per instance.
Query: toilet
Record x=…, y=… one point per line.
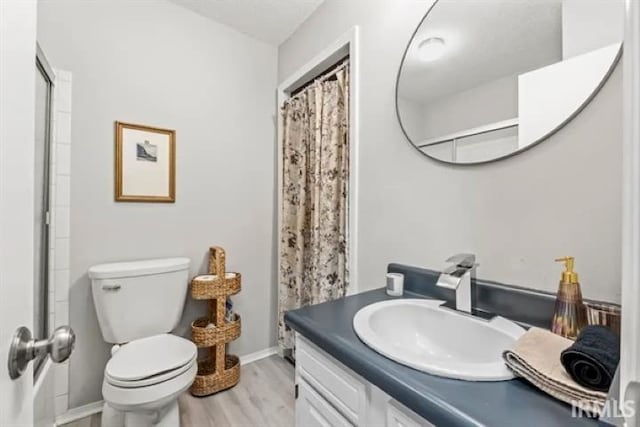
x=138, y=304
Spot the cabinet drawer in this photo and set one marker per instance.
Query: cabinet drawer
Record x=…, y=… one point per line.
x=331, y=380
x=313, y=411
x=399, y=416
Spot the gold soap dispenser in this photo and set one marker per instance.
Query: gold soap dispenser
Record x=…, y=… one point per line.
x=570, y=315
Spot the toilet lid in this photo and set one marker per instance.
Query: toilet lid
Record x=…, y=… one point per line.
x=150, y=356
x=150, y=381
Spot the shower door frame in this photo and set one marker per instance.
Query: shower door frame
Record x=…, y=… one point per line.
x=43, y=66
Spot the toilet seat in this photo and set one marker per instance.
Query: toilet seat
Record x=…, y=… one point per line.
x=155, y=379
x=149, y=373
x=149, y=361
x=151, y=397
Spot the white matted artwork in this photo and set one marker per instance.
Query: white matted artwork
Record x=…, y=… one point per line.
x=145, y=163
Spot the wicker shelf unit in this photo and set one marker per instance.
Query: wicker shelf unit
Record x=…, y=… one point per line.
x=218, y=370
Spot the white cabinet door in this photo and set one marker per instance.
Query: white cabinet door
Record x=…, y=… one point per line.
x=313, y=411
x=338, y=385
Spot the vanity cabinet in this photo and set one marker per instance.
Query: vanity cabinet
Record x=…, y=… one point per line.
x=312, y=410
x=330, y=394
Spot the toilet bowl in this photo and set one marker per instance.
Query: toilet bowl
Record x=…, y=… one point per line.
x=137, y=304
x=144, y=378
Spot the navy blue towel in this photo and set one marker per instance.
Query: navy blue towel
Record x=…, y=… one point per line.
x=592, y=360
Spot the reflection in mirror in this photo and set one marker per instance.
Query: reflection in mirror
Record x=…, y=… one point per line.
x=484, y=79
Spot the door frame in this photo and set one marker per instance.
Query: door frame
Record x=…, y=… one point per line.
x=630, y=346
x=18, y=20
x=346, y=44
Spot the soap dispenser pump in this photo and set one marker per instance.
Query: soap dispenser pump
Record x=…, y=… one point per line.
x=570, y=315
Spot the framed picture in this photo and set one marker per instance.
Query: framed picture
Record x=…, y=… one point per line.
x=145, y=163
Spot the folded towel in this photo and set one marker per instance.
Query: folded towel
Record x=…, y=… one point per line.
x=592, y=360
x=536, y=358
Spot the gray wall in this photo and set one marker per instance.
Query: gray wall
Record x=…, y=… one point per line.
x=155, y=63
x=563, y=197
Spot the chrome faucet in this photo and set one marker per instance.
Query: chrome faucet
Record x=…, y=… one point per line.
x=458, y=277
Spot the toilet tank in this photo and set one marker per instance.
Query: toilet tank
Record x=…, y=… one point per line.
x=140, y=298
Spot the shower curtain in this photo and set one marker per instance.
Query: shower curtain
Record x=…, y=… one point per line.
x=315, y=193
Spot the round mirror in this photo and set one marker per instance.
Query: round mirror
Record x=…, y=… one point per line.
x=482, y=80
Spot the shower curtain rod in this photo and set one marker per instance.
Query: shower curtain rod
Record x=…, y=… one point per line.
x=332, y=71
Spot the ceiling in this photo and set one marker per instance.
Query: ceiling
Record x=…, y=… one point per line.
x=272, y=21
x=485, y=41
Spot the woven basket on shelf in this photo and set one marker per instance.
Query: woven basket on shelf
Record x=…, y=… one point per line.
x=209, y=381
x=217, y=371
x=211, y=286
x=206, y=334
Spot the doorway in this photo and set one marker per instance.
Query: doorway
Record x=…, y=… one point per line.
x=317, y=158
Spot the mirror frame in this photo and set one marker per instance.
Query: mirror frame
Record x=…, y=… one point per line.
x=587, y=101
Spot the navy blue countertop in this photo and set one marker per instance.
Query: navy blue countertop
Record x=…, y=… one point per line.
x=441, y=401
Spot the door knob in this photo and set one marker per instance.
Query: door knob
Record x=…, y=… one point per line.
x=24, y=348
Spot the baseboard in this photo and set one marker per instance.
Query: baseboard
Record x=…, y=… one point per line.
x=261, y=354
x=75, y=414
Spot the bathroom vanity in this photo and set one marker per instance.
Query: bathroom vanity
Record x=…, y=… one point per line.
x=329, y=393
x=340, y=381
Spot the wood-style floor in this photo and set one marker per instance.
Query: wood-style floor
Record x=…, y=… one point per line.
x=263, y=398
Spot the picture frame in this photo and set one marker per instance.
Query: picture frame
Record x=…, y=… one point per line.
x=145, y=163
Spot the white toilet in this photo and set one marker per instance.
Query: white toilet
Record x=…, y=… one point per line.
x=138, y=304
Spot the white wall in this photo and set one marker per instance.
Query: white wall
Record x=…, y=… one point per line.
x=155, y=63
x=487, y=103
x=412, y=114
x=569, y=83
x=590, y=24
x=490, y=102
x=562, y=197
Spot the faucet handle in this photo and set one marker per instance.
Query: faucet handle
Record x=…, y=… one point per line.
x=463, y=260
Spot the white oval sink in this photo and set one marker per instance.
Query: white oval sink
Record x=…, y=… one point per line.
x=420, y=334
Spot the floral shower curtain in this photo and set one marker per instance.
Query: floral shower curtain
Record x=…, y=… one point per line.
x=314, y=230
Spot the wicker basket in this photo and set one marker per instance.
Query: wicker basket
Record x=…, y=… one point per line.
x=210, y=286
x=217, y=371
x=208, y=381
x=204, y=336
